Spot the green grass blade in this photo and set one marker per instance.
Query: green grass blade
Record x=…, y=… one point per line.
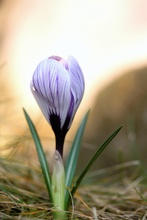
x=41, y=155
x=73, y=156
x=99, y=151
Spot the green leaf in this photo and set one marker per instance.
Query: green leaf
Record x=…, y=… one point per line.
x=73, y=156
x=41, y=155
x=96, y=155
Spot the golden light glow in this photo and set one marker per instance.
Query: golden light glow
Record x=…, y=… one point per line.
x=105, y=36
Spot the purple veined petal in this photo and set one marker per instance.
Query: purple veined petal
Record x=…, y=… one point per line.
x=43, y=104
x=61, y=60
x=76, y=76
x=57, y=58
x=77, y=82
x=58, y=86
x=65, y=64
x=51, y=89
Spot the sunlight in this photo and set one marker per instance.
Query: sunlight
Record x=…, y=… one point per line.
x=106, y=37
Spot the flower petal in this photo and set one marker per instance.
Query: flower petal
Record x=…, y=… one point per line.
x=51, y=82
x=43, y=104
x=77, y=82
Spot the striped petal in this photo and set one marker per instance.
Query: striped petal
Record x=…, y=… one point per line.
x=51, y=88
x=77, y=83
x=58, y=87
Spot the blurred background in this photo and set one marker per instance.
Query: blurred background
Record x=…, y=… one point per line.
x=109, y=40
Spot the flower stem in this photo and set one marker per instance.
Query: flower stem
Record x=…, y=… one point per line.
x=58, y=187
x=60, y=143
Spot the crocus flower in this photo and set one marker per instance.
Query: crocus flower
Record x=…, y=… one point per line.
x=58, y=86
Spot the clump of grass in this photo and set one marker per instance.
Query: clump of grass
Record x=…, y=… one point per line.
x=111, y=195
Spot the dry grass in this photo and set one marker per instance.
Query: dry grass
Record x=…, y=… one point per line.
x=23, y=194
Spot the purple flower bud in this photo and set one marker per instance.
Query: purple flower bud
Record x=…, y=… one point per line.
x=58, y=87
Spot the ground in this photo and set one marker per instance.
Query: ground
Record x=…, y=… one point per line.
x=118, y=192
